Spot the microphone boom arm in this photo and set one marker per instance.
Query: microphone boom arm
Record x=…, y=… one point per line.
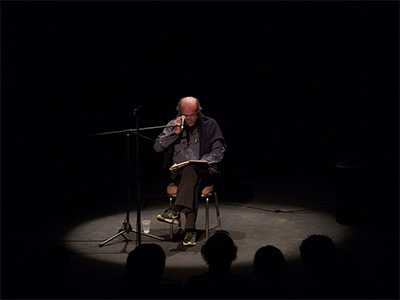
x=134, y=130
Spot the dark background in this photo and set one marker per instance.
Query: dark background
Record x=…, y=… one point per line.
x=296, y=87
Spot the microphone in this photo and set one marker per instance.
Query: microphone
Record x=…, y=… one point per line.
x=135, y=111
x=182, y=121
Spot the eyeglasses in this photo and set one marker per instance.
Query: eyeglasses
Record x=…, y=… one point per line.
x=192, y=117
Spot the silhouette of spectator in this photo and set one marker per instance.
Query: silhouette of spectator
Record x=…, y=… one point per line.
x=219, y=252
x=270, y=273
x=328, y=274
x=143, y=275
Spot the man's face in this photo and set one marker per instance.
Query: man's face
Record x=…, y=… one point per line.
x=189, y=111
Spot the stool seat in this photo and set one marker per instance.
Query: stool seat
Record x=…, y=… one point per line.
x=172, y=189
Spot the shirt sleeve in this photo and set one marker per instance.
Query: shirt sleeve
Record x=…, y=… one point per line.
x=166, y=138
x=217, y=153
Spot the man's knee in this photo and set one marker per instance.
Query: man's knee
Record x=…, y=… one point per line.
x=190, y=169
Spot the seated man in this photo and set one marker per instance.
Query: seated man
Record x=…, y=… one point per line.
x=199, y=138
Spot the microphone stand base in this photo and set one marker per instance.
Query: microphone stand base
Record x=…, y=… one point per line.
x=127, y=228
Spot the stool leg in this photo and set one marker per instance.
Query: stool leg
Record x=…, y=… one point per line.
x=171, y=227
x=207, y=218
x=217, y=209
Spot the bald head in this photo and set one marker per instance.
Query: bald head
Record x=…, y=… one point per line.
x=189, y=103
x=190, y=108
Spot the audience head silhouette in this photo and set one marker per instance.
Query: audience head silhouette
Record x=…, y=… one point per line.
x=146, y=263
x=144, y=268
x=270, y=264
x=219, y=251
x=318, y=253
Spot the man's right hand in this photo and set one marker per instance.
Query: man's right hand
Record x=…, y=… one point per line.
x=178, y=121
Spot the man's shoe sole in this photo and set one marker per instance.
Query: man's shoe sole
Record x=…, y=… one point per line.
x=169, y=221
x=189, y=244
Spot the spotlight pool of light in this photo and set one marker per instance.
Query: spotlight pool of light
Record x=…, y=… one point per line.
x=250, y=226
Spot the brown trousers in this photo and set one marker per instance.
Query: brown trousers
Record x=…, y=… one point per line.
x=190, y=181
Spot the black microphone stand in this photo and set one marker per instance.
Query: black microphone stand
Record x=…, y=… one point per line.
x=139, y=218
x=126, y=226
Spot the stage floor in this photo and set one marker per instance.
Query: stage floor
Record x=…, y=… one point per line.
x=281, y=213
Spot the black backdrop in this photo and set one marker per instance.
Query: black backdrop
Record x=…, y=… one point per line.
x=295, y=86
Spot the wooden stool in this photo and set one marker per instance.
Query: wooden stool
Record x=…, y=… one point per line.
x=207, y=193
